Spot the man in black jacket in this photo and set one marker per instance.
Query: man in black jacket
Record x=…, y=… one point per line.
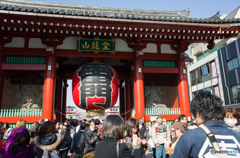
x=142, y=128
x=78, y=143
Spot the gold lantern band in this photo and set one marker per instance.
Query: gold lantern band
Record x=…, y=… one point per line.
x=95, y=112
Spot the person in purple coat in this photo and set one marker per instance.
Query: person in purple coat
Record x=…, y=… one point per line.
x=18, y=146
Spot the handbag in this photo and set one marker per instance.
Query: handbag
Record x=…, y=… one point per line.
x=89, y=155
x=213, y=141
x=151, y=143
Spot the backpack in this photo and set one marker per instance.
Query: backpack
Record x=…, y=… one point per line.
x=53, y=154
x=214, y=142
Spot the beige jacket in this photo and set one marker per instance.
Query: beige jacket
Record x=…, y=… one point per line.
x=159, y=137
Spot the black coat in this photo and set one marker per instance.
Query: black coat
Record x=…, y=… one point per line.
x=46, y=143
x=143, y=131
x=107, y=148
x=65, y=142
x=90, y=140
x=78, y=143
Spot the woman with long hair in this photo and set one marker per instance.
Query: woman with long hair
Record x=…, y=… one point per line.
x=113, y=132
x=47, y=140
x=132, y=128
x=177, y=129
x=12, y=140
x=232, y=119
x=20, y=124
x=91, y=138
x=66, y=139
x=7, y=130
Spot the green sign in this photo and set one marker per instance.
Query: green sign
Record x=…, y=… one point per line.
x=96, y=45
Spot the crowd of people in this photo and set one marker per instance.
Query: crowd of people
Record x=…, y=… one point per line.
x=116, y=138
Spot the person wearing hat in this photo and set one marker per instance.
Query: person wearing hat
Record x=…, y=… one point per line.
x=160, y=136
x=177, y=129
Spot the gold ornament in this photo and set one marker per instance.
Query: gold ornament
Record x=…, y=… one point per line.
x=95, y=112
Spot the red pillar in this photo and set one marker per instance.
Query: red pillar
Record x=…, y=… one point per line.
x=127, y=99
x=49, y=85
x=183, y=88
x=138, y=89
x=59, y=99
x=64, y=103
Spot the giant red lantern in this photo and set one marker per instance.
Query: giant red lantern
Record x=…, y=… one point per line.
x=95, y=88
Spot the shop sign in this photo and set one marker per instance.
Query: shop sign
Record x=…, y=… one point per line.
x=96, y=45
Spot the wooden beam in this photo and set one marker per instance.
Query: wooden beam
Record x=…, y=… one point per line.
x=160, y=70
x=33, y=67
x=74, y=54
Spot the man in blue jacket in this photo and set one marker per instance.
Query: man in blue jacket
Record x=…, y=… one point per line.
x=207, y=109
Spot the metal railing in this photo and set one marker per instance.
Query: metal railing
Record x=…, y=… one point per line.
x=20, y=112
x=160, y=111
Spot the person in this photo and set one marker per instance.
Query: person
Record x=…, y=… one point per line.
x=58, y=126
x=18, y=145
x=21, y=124
x=91, y=138
x=113, y=131
x=1, y=131
x=78, y=143
x=54, y=122
x=47, y=140
x=61, y=128
x=41, y=121
x=142, y=128
x=207, y=110
x=175, y=120
x=160, y=135
x=132, y=128
x=182, y=118
x=19, y=128
x=65, y=139
x=147, y=129
x=232, y=119
x=7, y=130
x=151, y=130
x=177, y=129
x=32, y=130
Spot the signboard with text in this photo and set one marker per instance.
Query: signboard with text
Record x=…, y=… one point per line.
x=96, y=45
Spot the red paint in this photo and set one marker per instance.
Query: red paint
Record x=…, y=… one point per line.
x=138, y=89
x=183, y=89
x=29, y=119
x=49, y=87
x=159, y=70
x=29, y=67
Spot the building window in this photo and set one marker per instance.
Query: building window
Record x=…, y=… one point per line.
x=193, y=78
x=232, y=64
x=235, y=91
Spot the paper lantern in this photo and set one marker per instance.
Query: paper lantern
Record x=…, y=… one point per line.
x=95, y=88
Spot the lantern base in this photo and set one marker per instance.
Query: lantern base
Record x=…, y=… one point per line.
x=95, y=112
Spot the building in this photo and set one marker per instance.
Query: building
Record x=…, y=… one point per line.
x=71, y=112
x=113, y=111
x=39, y=52
x=216, y=70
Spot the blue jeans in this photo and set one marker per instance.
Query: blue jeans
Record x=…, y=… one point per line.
x=160, y=151
x=78, y=155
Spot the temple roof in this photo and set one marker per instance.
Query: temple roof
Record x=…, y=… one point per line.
x=108, y=12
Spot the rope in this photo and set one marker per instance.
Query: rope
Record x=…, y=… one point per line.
x=120, y=114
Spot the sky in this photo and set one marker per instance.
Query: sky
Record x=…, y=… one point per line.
x=198, y=9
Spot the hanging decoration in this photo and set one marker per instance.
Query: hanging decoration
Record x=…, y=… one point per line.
x=95, y=88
